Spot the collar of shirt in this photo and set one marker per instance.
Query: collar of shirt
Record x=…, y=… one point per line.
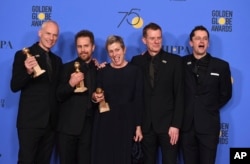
x=202, y=61
x=41, y=51
x=156, y=57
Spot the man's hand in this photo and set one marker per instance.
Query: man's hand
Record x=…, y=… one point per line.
x=29, y=63
x=75, y=78
x=174, y=135
x=138, y=134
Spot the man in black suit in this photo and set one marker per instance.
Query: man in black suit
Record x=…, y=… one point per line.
x=208, y=88
x=163, y=96
x=38, y=107
x=76, y=109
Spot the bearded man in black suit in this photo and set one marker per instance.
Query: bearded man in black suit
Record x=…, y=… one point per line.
x=76, y=108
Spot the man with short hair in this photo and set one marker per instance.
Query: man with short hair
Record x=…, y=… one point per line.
x=38, y=106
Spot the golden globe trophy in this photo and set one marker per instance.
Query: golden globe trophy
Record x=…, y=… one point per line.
x=37, y=69
x=103, y=106
x=79, y=87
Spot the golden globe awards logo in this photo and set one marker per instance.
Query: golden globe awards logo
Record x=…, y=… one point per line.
x=222, y=20
x=224, y=129
x=40, y=14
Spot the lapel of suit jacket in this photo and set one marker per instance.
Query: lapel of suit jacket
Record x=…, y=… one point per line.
x=209, y=70
x=189, y=65
x=161, y=64
x=189, y=69
x=145, y=65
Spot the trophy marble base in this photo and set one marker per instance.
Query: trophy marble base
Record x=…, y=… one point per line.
x=38, y=71
x=103, y=107
x=78, y=90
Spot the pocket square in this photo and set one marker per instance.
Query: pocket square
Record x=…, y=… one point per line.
x=214, y=74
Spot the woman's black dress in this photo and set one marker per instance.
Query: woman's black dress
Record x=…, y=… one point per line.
x=114, y=130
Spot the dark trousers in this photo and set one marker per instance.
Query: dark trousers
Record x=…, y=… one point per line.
x=35, y=145
x=199, y=148
x=150, y=144
x=75, y=149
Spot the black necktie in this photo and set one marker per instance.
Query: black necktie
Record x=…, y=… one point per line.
x=151, y=71
x=49, y=65
x=88, y=79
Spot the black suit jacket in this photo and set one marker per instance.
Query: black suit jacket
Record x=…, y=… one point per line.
x=37, y=105
x=164, y=102
x=75, y=107
x=202, y=110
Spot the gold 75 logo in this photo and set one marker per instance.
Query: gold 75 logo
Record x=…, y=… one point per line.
x=132, y=17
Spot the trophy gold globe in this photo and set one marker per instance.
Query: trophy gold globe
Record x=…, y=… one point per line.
x=79, y=87
x=103, y=106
